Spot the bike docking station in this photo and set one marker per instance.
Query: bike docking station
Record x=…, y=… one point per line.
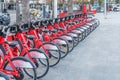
x=42, y=43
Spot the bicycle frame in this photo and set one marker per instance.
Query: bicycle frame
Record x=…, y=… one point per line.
x=14, y=72
x=6, y=57
x=39, y=40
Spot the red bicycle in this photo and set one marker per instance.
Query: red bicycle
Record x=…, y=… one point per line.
x=35, y=55
x=51, y=50
x=59, y=33
x=63, y=30
x=47, y=33
x=14, y=65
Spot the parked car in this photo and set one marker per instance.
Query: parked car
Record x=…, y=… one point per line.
x=110, y=7
x=100, y=9
x=116, y=7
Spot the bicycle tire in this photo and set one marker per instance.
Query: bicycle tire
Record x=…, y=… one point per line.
x=69, y=41
x=37, y=60
x=50, y=54
x=79, y=33
x=13, y=60
x=75, y=38
x=64, y=48
x=83, y=32
x=4, y=76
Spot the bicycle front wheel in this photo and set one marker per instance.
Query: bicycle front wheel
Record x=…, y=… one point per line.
x=37, y=56
x=63, y=46
x=21, y=64
x=53, y=53
x=70, y=42
x=75, y=38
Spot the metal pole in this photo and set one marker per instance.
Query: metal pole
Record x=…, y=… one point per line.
x=17, y=12
x=105, y=6
x=55, y=8
x=44, y=11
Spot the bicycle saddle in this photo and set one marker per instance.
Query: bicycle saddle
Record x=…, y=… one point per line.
x=56, y=20
x=54, y=30
x=31, y=37
x=13, y=28
x=46, y=30
x=43, y=23
x=23, y=27
x=26, y=26
x=70, y=23
x=11, y=43
x=20, y=28
x=60, y=28
x=36, y=23
x=62, y=19
x=76, y=21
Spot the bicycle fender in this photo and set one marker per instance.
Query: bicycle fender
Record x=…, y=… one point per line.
x=66, y=37
x=20, y=63
x=37, y=55
x=77, y=31
x=72, y=34
x=50, y=47
x=58, y=41
x=82, y=30
x=84, y=27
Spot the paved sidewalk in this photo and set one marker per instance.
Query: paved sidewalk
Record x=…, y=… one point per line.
x=96, y=58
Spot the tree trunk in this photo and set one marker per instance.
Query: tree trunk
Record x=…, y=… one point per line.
x=25, y=11
x=70, y=7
